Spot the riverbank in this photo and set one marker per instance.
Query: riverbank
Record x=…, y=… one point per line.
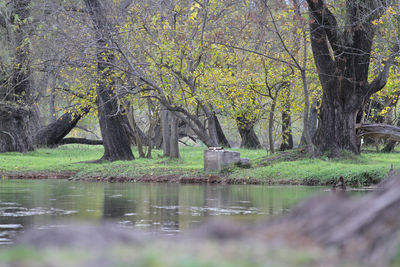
x=293, y=167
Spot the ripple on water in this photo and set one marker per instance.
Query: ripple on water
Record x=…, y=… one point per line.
x=195, y=211
x=9, y=204
x=165, y=207
x=10, y=226
x=8, y=233
x=24, y=212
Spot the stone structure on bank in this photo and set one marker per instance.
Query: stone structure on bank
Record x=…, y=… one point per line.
x=217, y=159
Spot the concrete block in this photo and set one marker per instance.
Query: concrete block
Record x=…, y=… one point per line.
x=219, y=159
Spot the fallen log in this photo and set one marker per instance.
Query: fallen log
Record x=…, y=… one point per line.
x=83, y=141
x=379, y=130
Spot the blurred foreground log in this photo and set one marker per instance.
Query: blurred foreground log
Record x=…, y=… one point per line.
x=363, y=229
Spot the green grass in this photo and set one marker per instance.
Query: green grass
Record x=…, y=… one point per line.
x=170, y=253
x=358, y=169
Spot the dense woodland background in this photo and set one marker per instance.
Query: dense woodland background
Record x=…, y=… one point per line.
x=255, y=74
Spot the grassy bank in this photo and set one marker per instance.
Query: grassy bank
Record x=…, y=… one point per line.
x=290, y=167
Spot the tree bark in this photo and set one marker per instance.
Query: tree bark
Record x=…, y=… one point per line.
x=157, y=140
x=342, y=61
x=131, y=119
x=174, y=144
x=287, y=137
x=152, y=124
x=166, y=132
x=247, y=133
x=53, y=115
x=212, y=128
x=312, y=122
x=18, y=117
x=15, y=135
x=222, y=141
x=306, y=130
x=52, y=134
x=271, y=127
x=115, y=137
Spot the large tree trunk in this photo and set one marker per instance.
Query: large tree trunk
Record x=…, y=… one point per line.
x=115, y=137
x=342, y=60
x=336, y=129
x=14, y=131
x=222, y=141
x=18, y=116
x=247, y=133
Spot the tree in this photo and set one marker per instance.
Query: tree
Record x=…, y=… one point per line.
x=342, y=56
x=18, y=116
x=115, y=137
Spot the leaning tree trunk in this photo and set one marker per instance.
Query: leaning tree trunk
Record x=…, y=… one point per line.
x=222, y=141
x=115, y=137
x=52, y=134
x=247, y=133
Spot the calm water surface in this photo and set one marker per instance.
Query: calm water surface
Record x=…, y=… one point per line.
x=165, y=208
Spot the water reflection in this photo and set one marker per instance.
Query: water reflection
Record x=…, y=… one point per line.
x=167, y=208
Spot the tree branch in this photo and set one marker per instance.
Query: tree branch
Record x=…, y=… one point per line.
x=325, y=19
x=380, y=81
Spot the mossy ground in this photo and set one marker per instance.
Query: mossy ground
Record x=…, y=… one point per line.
x=293, y=166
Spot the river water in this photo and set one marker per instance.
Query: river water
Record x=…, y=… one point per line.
x=158, y=208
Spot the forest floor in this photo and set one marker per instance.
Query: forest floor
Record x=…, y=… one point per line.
x=293, y=167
